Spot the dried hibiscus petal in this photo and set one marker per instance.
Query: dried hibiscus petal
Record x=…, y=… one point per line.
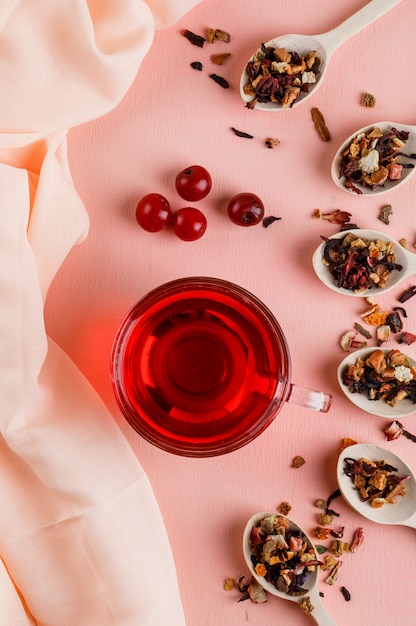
x=220, y=81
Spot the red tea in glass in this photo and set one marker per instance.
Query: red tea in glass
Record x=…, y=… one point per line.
x=200, y=367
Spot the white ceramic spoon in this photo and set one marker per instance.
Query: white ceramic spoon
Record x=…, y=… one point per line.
x=325, y=45
x=403, y=512
x=402, y=409
x=407, y=172
x=403, y=257
x=319, y=613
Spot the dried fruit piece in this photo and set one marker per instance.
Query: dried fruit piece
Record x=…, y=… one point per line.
x=272, y=142
x=217, y=34
x=220, y=59
x=229, y=583
x=306, y=605
x=347, y=442
x=407, y=338
x=284, y=508
x=320, y=125
x=385, y=213
x=348, y=341
x=196, y=40
x=321, y=533
x=298, y=461
x=368, y=100
x=325, y=519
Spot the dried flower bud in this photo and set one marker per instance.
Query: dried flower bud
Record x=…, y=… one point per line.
x=357, y=540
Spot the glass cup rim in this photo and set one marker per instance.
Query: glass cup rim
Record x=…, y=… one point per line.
x=183, y=285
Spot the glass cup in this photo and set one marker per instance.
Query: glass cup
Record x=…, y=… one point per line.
x=200, y=367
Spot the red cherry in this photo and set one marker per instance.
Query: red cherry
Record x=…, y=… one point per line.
x=189, y=224
x=245, y=209
x=193, y=183
x=153, y=212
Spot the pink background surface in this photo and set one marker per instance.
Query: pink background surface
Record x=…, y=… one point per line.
x=173, y=117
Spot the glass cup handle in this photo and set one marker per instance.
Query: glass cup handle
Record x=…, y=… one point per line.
x=309, y=398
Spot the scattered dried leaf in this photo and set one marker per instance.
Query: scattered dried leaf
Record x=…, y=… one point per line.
x=220, y=59
x=220, y=81
x=298, y=461
x=368, y=100
x=385, y=213
x=272, y=142
x=320, y=125
x=195, y=40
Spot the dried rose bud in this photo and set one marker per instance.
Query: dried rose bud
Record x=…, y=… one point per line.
x=357, y=540
x=393, y=431
x=336, y=217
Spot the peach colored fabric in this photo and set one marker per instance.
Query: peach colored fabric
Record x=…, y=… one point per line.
x=82, y=541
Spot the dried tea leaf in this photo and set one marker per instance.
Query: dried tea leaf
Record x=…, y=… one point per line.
x=241, y=133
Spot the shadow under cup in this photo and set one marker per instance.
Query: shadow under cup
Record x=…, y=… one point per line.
x=200, y=367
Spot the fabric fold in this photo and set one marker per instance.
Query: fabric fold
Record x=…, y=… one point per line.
x=82, y=540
